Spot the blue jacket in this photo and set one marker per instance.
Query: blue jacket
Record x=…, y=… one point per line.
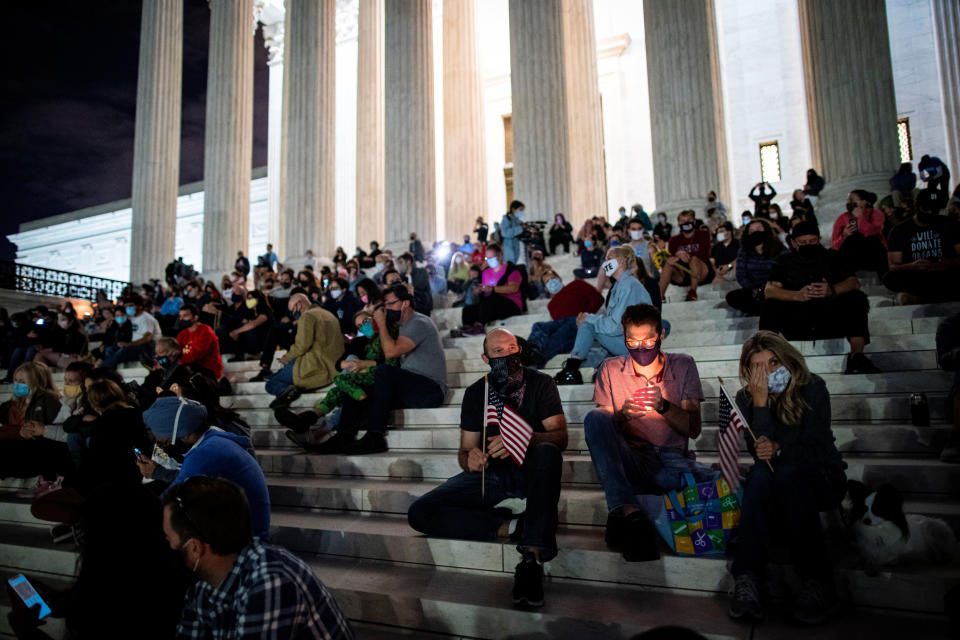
x=627, y=291
x=510, y=230
x=219, y=454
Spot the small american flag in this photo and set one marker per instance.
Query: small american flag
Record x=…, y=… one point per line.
x=732, y=425
x=514, y=430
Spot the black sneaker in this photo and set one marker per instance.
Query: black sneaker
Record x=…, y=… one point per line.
x=371, y=442
x=238, y=358
x=615, y=533
x=286, y=398
x=335, y=445
x=814, y=603
x=570, y=374
x=640, y=542
x=860, y=363
x=528, y=582
x=263, y=376
x=67, y=534
x=746, y=599
x=297, y=422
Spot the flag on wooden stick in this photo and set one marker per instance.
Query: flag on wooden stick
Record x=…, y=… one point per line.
x=515, y=432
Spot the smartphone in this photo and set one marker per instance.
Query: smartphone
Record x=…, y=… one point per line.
x=40, y=321
x=28, y=595
x=138, y=454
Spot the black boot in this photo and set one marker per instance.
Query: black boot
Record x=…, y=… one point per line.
x=570, y=374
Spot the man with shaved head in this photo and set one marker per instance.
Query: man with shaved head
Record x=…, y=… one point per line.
x=499, y=473
x=311, y=361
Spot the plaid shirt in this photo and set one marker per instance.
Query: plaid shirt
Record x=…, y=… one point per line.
x=270, y=595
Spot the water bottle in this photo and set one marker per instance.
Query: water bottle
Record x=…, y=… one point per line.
x=920, y=410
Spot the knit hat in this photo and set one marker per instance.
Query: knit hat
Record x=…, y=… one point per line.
x=171, y=416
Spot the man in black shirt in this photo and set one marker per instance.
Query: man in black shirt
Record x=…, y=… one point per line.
x=813, y=294
x=466, y=506
x=924, y=255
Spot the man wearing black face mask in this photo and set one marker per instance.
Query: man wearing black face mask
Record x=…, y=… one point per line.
x=167, y=370
x=648, y=407
x=466, y=506
x=689, y=262
x=924, y=255
x=813, y=294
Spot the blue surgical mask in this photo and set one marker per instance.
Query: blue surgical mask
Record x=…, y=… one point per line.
x=493, y=263
x=778, y=380
x=614, y=243
x=366, y=329
x=121, y=319
x=588, y=243
x=554, y=286
x=131, y=311
x=520, y=215
x=21, y=390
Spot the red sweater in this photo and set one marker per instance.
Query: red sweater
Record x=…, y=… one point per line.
x=577, y=296
x=869, y=224
x=202, y=348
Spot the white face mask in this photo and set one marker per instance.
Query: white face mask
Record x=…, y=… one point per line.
x=610, y=267
x=336, y=293
x=378, y=267
x=778, y=380
x=493, y=263
x=636, y=234
x=721, y=237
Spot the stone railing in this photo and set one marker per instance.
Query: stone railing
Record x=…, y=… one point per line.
x=61, y=284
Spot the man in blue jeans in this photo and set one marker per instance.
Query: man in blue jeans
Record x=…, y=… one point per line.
x=648, y=407
x=145, y=330
x=467, y=506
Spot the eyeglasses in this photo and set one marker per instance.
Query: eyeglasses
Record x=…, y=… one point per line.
x=649, y=343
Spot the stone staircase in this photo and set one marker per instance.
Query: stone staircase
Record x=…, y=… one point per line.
x=346, y=514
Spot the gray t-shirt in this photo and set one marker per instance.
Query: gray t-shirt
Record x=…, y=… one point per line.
x=679, y=380
x=427, y=357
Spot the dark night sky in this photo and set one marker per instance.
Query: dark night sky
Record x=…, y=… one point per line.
x=68, y=100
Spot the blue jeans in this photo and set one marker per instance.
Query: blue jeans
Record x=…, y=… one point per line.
x=553, y=337
x=18, y=356
x=280, y=382
x=115, y=355
x=455, y=509
x=587, y=337
x=77, y=445
x=625, y=470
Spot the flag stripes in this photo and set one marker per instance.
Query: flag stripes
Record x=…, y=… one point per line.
x=514, y=431
x=732, y=425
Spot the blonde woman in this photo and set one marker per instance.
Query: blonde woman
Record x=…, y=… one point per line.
x=35, y=402
x=788, y=409
x=604, y=328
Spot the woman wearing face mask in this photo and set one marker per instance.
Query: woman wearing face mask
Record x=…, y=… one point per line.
x=244, y=324
x=858, y=233
x=341, y=302
x=561, y=233
x=501, y=294
x=511, y=226
x=604, y=329
x=788, y=409
x=66, y=343
x=724, y=252
x=759, y=250
x=356, y=365
x=368, y=293
x=591, y=256
x=663, y=229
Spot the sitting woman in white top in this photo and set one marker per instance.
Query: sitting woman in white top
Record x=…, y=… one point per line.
x=603, y=329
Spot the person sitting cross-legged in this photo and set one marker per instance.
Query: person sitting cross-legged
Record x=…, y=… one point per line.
x=311, y=361
x=604, y=329
x=245, y=587
x=788, y=410
x=466, y=506
x=420, y=382
x=813, y=294
x=647, y=411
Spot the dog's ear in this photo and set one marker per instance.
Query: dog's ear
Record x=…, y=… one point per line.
x=888, y=504
x=857, y=491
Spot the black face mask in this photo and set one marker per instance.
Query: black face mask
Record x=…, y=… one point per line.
x=810, y=250
x=686, y=227
x=927, y=218
x=753, y=239
x=286, y=285
x=180, y=325
x=237, y=298
x=393, y=316
x=506, y=374
x=177, y=450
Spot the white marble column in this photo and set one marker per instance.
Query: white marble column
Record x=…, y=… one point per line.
x=541, y=177
x=588, y=183
x=465, y=171
x=309, y=173
x=370, y=114
x=686, y=103
x=851, y=105
x=410, y=151
x=273, y=36
x=946, y=31
x=228, y=144
x=156, y=143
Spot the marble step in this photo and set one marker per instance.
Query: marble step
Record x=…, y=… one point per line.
x=582, y=556
x=915, y=476
x=844, y=407
x=893, y=439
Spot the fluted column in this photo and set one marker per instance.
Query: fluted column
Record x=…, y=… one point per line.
x=946, y=31
x=411, y=180
x=310, y=170
x=851, y=105
x=156, y=143
x=273, y=36
x=370, y=135
x=539, y=114
x=465, y=172
x=588, y=182
x=686, y=103
x=228, y=143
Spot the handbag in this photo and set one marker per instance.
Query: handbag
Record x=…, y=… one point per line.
x=699, y=520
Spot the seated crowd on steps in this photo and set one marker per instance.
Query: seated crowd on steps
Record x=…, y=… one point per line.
x=361, y=329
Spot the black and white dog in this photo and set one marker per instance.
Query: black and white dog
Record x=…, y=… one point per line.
x=887, y=536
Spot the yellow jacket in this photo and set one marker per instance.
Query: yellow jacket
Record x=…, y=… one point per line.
x=317, y=347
